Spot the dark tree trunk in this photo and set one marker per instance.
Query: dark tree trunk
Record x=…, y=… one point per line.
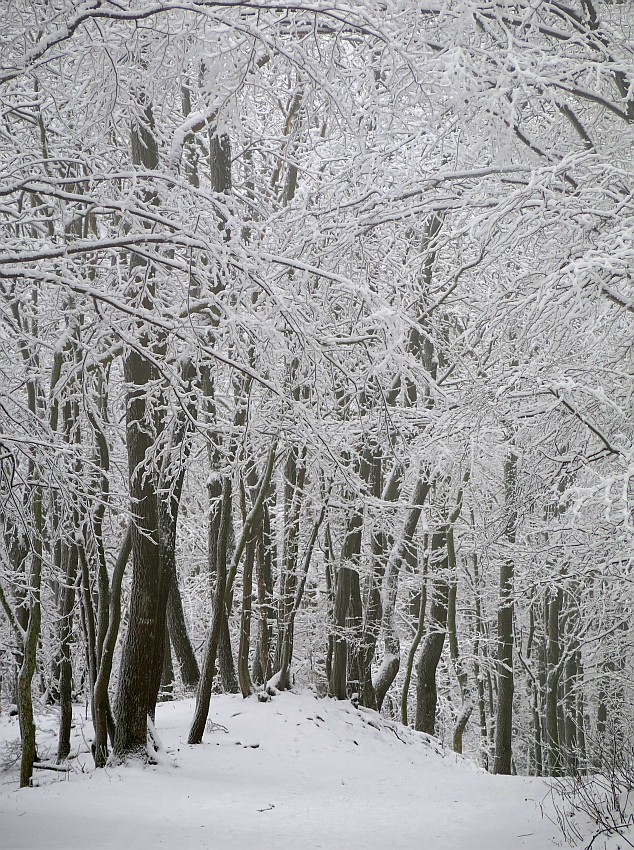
x=452, y=631
x=177, y=629
x=381, y=544
x=203, y=695
x=294, y=480
x=29, y=657
x=262, y=658
x=102, y=717
x=145, y=626
x=392, y=648
x=142, y=657
x=555, y=759
x=504, y=714
x=427, y=664
x=284, y=679
x=65, y=665
x=350, y=555
x=88, y=621
x=420, y=633
x=244, y=676
x=227, y=677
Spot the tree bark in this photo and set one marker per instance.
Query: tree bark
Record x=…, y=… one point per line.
x=381, y=544
x=284, y=680
x=148, y=595
x=391, y=645
x=177, y=629
x=65, y=665
x=452, y=631
x=555, y=758
x=203, y=695
x=427, y=664
x=102, y=714
x=350, y=554
x=27, y=668
x=504, y=714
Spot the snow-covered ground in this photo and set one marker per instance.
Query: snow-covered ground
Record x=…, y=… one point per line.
x=296, y=773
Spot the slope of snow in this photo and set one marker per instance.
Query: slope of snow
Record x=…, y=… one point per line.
x=296, y=772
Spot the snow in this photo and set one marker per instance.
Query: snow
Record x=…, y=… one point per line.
x=295, y=772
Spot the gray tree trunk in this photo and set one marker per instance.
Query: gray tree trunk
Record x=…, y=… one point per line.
x=427, y=664
x=144, y=640
x=504, y=713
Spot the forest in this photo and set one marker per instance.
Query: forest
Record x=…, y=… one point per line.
x=316, y=370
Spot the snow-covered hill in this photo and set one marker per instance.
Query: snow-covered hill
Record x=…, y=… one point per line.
x=296, y=773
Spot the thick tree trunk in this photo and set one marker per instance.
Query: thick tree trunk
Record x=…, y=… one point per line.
x=142, y=657
x=137, y=662
x=504, y=713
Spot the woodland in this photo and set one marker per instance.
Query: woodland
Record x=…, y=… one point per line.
x=316, y=367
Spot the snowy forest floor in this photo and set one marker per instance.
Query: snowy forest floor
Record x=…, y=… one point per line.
x=296, y=772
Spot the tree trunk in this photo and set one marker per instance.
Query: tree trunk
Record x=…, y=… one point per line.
x=244, y=676
x=420, y=633
x=27, y=668
x=381, y=544
x=262, y=657
x=391, y=645
x=350, y=554
x=294, y=481
x=477, y=673
x=452, y=631
x=203, y=695
x=144, y=640
x=65, y=665
x=504, y=714
x=284, y=680
x=177, y=629
x=426, y=688
x=555, y=759
x=101, y=703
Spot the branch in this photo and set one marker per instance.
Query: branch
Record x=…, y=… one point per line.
x=251, y=519
x=585, y=422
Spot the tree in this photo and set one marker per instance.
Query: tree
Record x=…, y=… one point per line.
x=321, y=262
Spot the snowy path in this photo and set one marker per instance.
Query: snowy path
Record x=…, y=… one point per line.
x=293, y=773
